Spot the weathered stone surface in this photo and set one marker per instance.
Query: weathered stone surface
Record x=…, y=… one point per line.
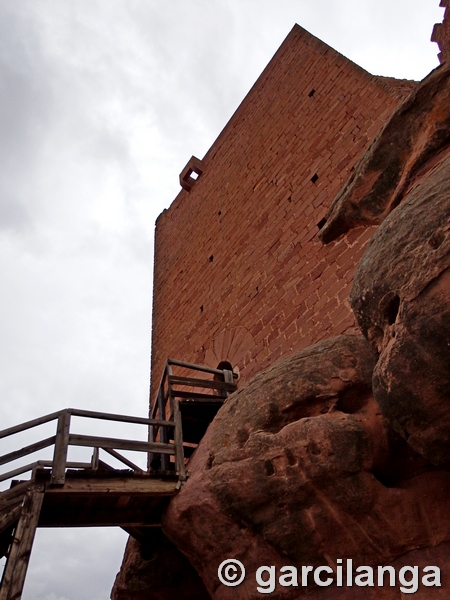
x=299, y=468
x=441, y=33
x=401, y=297
x=158, y=571
x=415, y=134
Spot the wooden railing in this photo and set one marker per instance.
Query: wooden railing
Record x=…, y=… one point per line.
x=164, y=435
x=184, y=386
x=64, y=438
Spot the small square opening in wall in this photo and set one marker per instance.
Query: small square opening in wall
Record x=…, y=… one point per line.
x=321, y=223
x=311, y=93
x=314, y=178
x=191, y=173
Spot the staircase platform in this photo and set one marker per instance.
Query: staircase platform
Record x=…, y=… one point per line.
x=103, y=500
x=64, y=493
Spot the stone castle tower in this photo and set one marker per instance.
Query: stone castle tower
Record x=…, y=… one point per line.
x=254, y=261
x=240, y=273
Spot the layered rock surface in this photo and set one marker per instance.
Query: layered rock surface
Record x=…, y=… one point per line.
x=402, y=284
x=401, y=297
x=409, y=143
x=299, y=468
x=157, y=570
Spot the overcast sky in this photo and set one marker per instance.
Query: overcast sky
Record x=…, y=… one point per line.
x=102, y=104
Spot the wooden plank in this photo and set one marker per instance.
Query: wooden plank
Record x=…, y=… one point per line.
x=194, y=367
x=117, y=485
x=15, y=493
x=163, y=433
x=124, y=460
x=98, y=515
x=123, y=501
x=116, y=417
x=203, y=383
x=198, y=396
x=161, y=401
x=27, y=450
x=29, y=424
x=228, y=377
x=178, y=435
x=101, y=519
x=69, y=464
x=19, y=555
x=61, y=447
x=162, y=423
x=10, y=516
x=103, y=510
x=91, y=441
x=18, y=471
x=152, y=432
x=156, y=407
x=78, y=413
x=165, y=465
x=95, y=458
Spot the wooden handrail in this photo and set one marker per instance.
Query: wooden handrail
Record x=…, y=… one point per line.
x=11, y=456
x=204, y=368
x=65, y=438
x=30, y=424
x=202, y=383
x=169, y=393
x=165, y=437
x=79, y=413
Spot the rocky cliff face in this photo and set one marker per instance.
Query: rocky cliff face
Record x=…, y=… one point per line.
x=401, y=297
x=300, y=468
x=342, y=450
x=157, y=570
x=408, y=145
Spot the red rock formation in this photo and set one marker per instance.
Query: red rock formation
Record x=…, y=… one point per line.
x=156, y=570
x=401, y=299
x=401, y=288
x=406, y=146
x=441, y=34
x=299, y=468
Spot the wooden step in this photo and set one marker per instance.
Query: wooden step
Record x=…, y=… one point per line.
x=8, y=516
x=15, y=493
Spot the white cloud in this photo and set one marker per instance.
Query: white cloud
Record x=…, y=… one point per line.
x=102, y=102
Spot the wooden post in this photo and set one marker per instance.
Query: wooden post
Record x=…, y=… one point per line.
x=61, y=447
x=94, y=459
x=19, y=555
x=178, y=440
x=178, y=432
x=163, y=433
x=151, y=438
x=228, y=378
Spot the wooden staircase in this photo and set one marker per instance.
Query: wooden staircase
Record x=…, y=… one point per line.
x=63, y=493
x=179, y=396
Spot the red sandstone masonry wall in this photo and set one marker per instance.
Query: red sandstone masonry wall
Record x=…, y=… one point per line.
x=239, y=272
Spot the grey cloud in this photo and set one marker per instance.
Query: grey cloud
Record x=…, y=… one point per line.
x=102, y=102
